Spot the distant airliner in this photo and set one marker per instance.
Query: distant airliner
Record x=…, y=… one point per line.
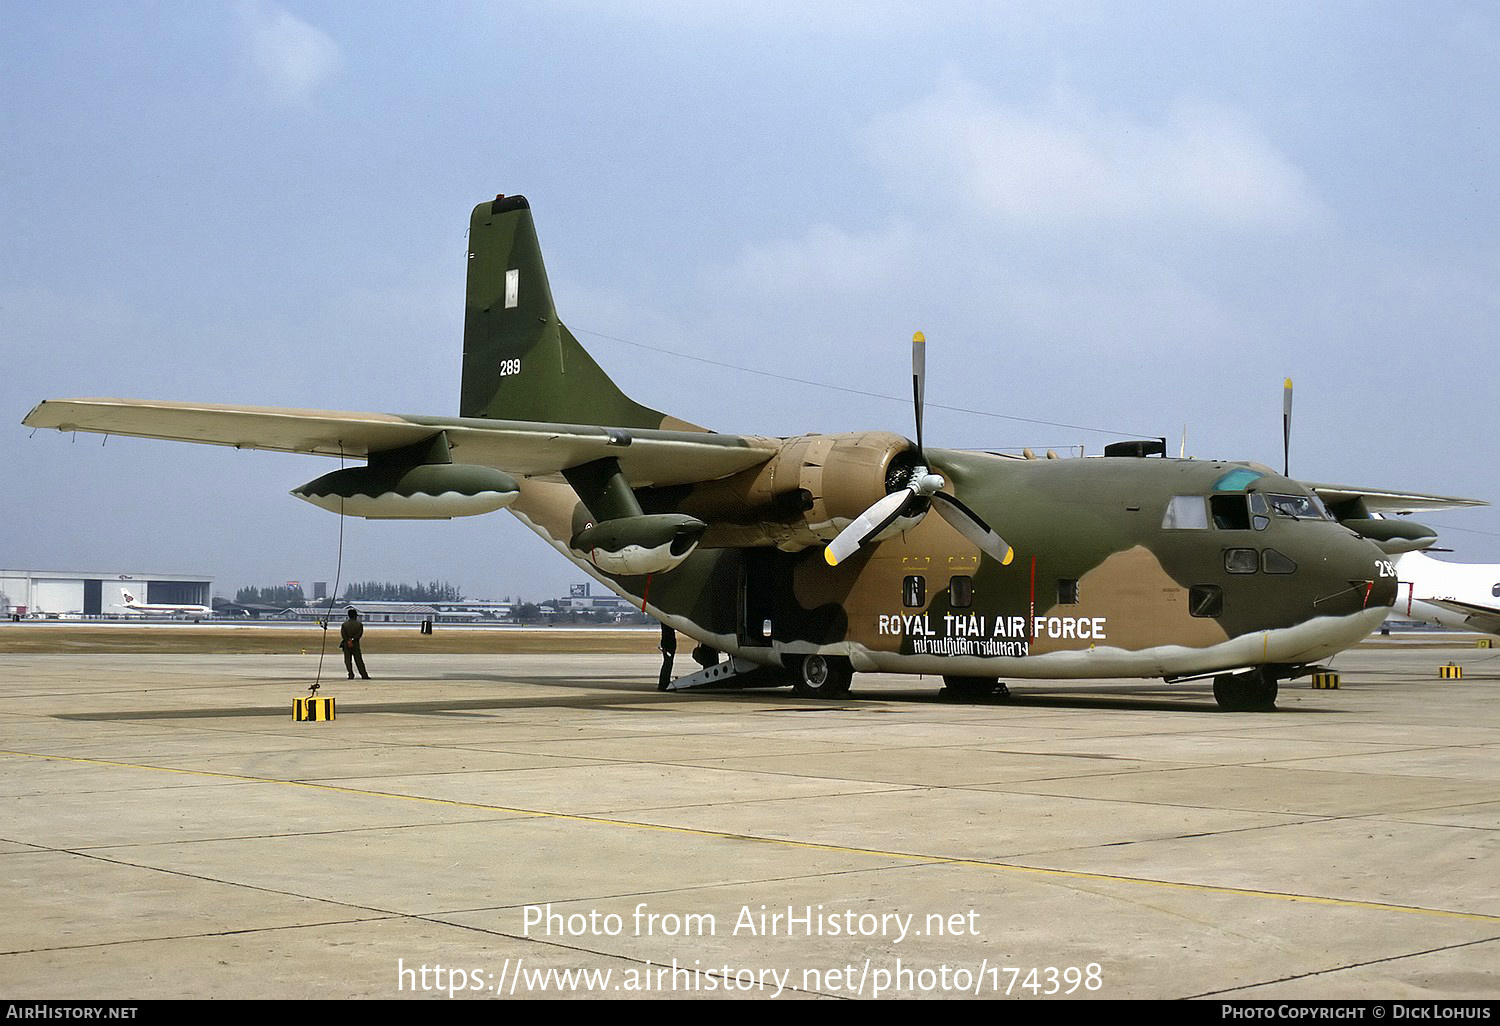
x=1463, y=596
x=163, y=609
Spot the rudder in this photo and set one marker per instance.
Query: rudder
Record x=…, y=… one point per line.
x=520, y=362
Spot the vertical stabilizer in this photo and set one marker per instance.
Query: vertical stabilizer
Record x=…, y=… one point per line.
x=520, y=362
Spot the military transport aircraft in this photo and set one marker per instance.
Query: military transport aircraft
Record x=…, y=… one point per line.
x=811, y=557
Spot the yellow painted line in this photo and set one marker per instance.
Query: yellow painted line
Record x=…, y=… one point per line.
x=944, y=860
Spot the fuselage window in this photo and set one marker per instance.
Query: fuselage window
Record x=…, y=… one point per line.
x=914, y=591
x=1205, y=600
x=1274, y=562
x=1495, y=591
x=1241, y=561
x=961, y=592
x=1067, y=591
x=1231, y=513
x=1185, y=511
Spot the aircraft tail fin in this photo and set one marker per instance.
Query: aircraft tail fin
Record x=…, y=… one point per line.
x=129, y=598
x=520, y=361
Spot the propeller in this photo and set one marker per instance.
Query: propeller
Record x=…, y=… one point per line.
x=1286, y=429
x=922, y=491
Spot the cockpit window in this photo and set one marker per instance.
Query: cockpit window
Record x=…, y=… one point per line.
x=1237, y=480
x=1241, y=561
x=1260, y=511
x=1273, y=562
x=1185, y=511
x=1230, y=512
x=1298, y=507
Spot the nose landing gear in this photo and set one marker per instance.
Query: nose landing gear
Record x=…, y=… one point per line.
x=973, y=689
x=1251, y=691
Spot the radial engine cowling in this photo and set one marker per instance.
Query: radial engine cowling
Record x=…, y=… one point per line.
x=806, y=494
x=430, y=491
x=646, y=544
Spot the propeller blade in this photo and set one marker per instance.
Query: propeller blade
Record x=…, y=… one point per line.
x=868, y=524
x=923, y=484
x=972, y=526
x=919, y=384
x=1286, y=429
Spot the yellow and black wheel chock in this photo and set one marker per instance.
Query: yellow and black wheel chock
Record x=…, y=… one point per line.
x=312, y=707
x=1451, y=672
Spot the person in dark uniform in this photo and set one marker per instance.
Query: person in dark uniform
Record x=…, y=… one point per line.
x=349, y=635
x=668, y=650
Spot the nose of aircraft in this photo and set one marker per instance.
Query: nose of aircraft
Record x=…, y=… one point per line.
x=1353, y=575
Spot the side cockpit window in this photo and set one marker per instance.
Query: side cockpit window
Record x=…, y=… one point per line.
x=1186, y=511
x=1260, y=510
x=1230, y=512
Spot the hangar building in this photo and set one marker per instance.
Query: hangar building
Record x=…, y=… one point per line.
x=89, y=593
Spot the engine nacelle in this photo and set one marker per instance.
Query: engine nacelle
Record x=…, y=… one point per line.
x=645, y=544
x=813, y=488
x=1392, y=536
x=429, y=491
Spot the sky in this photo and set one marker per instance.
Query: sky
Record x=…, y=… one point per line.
x=1110, y=220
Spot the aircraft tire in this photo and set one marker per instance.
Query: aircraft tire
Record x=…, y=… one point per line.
x=1254, y=691
x=820, y=676
x=972, y=688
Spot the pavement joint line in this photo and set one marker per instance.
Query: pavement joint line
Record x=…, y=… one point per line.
x=1005, y=867
x=1342, y=968
x=378, y=918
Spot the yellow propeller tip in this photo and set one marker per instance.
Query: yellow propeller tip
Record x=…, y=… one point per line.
x=1010, y=554
x=828, y=557
x=919, y=337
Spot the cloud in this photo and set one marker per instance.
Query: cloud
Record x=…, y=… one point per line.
x=291, y=57
x=1067, y=163
x=824, y=260
x=841, y=18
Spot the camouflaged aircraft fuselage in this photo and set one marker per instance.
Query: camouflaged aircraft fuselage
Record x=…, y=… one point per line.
x=1104, y=583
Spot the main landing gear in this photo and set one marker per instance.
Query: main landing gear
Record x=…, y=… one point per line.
x=1251, y=691
x=820, y=676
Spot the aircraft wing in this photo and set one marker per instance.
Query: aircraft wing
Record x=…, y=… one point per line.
x=528, y=449
x=1377, y=501
x=1481, y=618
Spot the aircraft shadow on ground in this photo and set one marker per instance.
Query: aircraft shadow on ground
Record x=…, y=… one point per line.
x=610, y=693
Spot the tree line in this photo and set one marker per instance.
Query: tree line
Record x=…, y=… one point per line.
x=362, y=591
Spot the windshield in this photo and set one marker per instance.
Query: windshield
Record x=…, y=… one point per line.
x=1298, y=507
